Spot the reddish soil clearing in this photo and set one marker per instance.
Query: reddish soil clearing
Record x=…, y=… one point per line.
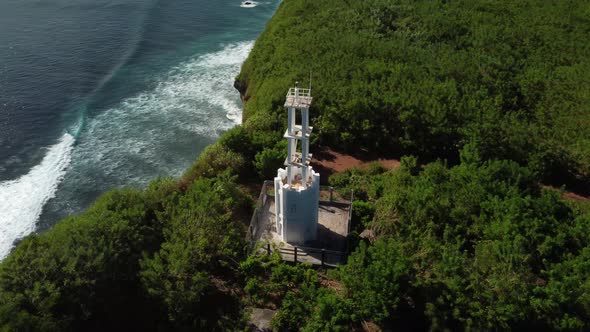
x=576, y=197
x=328, y=161
x=569, y=195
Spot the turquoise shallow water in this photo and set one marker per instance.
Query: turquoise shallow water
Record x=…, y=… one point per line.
x=97, y=94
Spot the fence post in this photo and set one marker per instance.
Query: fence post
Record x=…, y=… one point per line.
x=295, y=255
x=350, y=213
x=323, y=257
x=268, y=248
x=331, y=194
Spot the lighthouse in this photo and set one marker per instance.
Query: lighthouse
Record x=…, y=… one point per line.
x=297, y=186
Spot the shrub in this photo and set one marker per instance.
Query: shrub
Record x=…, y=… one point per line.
x=268, y=161
x=215, y=159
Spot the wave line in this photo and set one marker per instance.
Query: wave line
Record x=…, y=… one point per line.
x=22, y=200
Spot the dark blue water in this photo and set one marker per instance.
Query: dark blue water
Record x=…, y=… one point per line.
x=96, y=94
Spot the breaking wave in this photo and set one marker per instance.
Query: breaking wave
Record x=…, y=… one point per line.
x=133, y=141
x=22, y=200
x=144, y=136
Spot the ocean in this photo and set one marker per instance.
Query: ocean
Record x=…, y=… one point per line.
x=100, y=94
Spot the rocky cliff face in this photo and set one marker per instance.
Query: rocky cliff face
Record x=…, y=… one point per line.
x=241, y=86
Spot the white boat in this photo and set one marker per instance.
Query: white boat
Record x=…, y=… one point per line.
x=248, y=4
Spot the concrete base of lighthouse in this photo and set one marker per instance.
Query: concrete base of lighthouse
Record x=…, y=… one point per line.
x=296, y=206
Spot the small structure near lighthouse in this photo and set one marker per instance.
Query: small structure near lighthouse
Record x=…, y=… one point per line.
x=294, y=215
x=297, y=186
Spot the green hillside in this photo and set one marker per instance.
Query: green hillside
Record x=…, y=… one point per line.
x=427, y=77
x=486, y=101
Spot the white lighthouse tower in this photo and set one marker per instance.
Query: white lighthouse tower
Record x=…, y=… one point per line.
x=297, y=188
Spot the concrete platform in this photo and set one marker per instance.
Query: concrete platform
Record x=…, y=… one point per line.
x=260, y=319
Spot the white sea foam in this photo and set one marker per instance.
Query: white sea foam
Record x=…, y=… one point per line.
x=154, y=133
x=22, y=200
x=159, y=131
x=200, y=86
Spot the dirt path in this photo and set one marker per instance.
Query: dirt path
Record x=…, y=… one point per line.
x=569, y=195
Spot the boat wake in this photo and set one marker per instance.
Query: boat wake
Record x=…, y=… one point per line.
x=22, y=200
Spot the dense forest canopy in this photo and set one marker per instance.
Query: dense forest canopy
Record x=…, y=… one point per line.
x=488, y=103
x=478, y=246
x=427, y=77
